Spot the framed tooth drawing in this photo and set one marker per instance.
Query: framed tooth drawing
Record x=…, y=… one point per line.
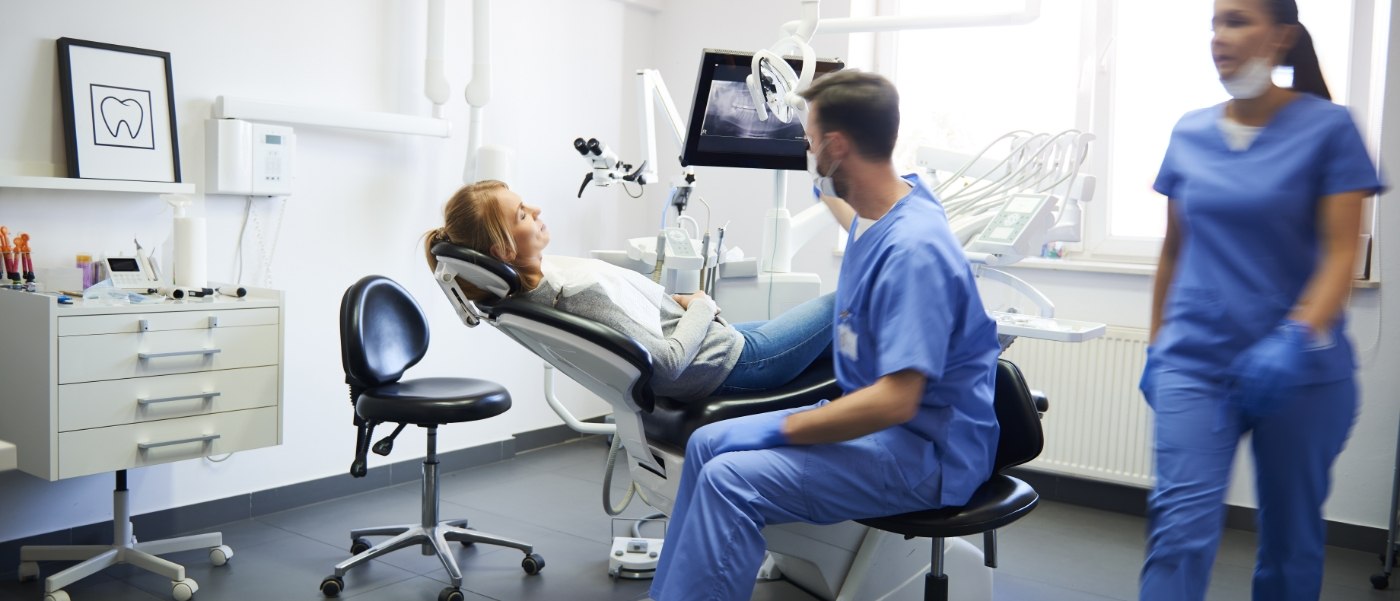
x=118, y=112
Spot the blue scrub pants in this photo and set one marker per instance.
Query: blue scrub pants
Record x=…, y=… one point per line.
x=1197, y=431
x=713, y=545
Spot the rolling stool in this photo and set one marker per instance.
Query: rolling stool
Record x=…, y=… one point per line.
x=999, y=501
x=383, y=333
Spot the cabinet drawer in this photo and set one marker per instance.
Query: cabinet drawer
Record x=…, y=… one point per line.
x=114, y=356
x=116, y=402
x=87, y=325
x=119, y=447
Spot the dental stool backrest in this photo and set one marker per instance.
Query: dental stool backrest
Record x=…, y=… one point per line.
x=377, y=347
x=1019, y=417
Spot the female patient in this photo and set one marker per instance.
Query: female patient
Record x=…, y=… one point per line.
x=694, y=352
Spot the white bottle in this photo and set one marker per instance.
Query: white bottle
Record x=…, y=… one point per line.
x=191, y=264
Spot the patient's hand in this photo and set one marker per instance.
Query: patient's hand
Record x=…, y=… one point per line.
x=684, y=300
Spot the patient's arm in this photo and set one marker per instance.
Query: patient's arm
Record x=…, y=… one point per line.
x=670, y=356
x=892, y=400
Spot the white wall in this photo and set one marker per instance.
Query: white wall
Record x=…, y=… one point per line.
x=361, y=202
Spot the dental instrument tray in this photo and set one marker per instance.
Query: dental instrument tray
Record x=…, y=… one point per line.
x=1046, y=328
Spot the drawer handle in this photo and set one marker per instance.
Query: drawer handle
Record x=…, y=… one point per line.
x=203, y=351
x=208, y=396
x=146, y=446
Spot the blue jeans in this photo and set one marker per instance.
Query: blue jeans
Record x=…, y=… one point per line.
x=777, y=350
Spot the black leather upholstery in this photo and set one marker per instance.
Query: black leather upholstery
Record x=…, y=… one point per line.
x=1002, y=499
x=491, y=265
x=996, y=503
x=1018, y=414
x=672, y=422
x=433, y=401
x=382, y=334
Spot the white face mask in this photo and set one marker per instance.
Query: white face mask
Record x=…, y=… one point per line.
x=823, y=184
x=1251, y=80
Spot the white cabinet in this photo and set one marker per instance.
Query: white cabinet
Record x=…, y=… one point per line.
x=88, y=389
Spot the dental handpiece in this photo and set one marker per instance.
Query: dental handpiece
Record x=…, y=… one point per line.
x=704, y=261
x=660, y=257
x=719, y=258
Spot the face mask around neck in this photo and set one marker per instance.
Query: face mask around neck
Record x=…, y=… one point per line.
x=1251, y=80
x=822, y=185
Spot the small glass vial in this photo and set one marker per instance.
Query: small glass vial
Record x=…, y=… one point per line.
x=89, y=270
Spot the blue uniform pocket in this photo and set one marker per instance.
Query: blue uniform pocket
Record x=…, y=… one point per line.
x=1148, y=382
x=1194, y=334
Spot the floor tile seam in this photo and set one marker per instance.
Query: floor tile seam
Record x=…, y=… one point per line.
x=410, y=576
x=1062, y=587
x=1068, y=587
x=532, y=524
x=309, y=537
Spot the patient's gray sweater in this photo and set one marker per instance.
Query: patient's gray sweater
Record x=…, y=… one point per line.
x=692, y=351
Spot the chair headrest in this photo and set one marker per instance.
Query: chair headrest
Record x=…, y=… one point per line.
x=481, y=270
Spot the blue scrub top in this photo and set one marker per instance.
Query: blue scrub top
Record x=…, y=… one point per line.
x=907, y=299
x=1250, y=230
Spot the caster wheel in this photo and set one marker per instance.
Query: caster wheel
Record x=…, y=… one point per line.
x=28, y=570
x=1380, y=582
x=332, y=586
x=532, y=564
x=184, y=590
x=57, y=596
x=451, y=594
x=468, y=543
x=358, y=546
x=220, y=555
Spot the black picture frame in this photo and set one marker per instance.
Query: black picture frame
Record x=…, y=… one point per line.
x=118, y=112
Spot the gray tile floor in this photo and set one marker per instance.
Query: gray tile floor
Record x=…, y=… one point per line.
x=551, y=499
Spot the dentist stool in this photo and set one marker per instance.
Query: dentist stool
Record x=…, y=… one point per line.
x=383, y=333
x=999, y=501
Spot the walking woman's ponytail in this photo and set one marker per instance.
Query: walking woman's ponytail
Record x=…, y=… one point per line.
x=1307, y=73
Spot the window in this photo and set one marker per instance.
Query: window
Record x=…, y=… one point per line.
x=1124, y=71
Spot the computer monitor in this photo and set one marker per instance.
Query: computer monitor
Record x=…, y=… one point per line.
x=724, y=127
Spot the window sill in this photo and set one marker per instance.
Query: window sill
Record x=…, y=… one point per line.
x=1082, y=265
x=1137, y=269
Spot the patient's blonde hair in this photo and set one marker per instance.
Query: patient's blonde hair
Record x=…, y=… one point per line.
x=472, y=218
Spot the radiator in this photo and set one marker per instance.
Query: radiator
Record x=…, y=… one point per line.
x=1098, y=425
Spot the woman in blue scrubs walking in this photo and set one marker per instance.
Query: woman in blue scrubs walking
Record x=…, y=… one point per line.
x=1248, y=327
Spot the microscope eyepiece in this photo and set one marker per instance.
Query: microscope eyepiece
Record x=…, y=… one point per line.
x=581, y=146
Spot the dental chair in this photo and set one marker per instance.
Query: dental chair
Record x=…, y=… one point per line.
x=849, y=561
x=383, y=333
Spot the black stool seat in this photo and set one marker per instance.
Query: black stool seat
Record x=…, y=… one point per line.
x=433, y=401
x=996, y=503
x=671, y=422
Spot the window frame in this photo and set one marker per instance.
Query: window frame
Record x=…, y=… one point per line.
x=1096, y=109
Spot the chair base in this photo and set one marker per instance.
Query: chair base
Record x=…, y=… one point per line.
x=433, y=540
x=124, y=549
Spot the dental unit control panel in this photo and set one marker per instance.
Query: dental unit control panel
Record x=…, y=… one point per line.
x=248, y=158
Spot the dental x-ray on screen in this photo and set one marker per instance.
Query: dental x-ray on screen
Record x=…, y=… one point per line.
x=725, y=130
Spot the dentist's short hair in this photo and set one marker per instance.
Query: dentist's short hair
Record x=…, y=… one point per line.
x=863, y=106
